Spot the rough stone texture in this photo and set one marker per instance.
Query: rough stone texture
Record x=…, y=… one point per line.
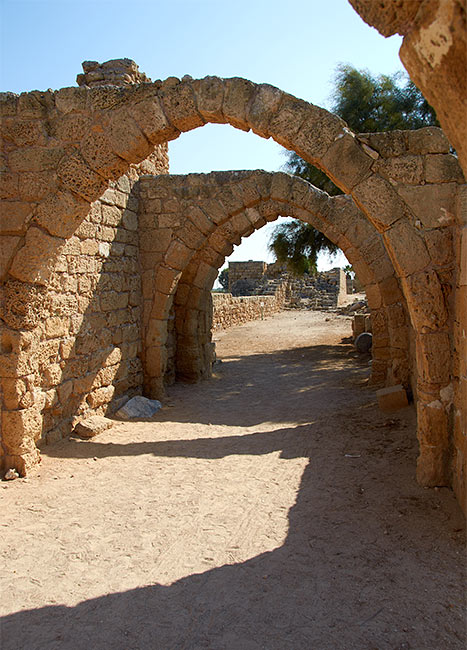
x=392, y=398
x=229, y=310
x=138, y=408
x=92, y=426
x=82, y=245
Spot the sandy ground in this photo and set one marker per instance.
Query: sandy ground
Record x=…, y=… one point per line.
x=271, y=507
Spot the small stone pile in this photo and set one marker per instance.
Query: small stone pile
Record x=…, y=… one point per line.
x=117, y=72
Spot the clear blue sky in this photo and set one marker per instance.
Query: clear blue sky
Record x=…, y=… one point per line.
x=295, y=46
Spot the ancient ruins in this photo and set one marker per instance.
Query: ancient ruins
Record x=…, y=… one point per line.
x=107, y=261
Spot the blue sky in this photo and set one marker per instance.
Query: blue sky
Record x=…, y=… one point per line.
x=295, y=46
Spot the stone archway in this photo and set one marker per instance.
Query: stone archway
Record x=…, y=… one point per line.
x=210, y=213
x=79, y=138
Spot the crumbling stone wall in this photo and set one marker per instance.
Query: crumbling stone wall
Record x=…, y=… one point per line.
x=434, y=52
x=229, y=310
x=71, y=344
x=246, y=271
x=63, y=147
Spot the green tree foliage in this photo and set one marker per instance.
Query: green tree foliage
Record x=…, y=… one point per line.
x=224, y=279
x=368, y=104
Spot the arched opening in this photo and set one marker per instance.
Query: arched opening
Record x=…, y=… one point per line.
x=101, y=131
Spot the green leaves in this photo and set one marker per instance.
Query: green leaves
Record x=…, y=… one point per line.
x=368, y=104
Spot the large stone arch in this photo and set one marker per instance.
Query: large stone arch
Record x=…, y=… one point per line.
x=79, y=138
x=228, y=206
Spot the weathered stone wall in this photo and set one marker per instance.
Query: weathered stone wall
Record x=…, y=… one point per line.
x=70, y=346
x=246, y=271
x=62, y=148
x=229, y=310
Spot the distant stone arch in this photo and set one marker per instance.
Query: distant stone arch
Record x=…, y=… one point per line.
x=215, y=211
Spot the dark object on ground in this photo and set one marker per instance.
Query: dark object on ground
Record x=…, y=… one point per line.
x=364, y=341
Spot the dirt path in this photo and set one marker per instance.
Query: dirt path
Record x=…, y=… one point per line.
x=272, y=507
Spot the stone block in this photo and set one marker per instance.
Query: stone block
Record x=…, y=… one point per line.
x=264, y=104
x=139, y=408
x=100, y=396
x=34, y=261
x=20, y=429
x=346, y=162
x=443, y=168
x=209, y=93
x=8, y=246
x=407, y=247
x=430, y=139
x=92, y=426
x=378, y=199
x=392, y=398
x=98, y=153
x=180, y=106
x=433, y=205
x=237, y=94
x=14, y=216
x=77, y=176
x=125, y=137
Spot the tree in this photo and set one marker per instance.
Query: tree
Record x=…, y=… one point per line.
x=367, y=104
x=224, y=279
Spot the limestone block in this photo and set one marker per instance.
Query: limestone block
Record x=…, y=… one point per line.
x=443, y=168
x=100, y=396
x=408, y=250
x=125, y=137
x=429, y=139
x=156, y=240
x=346, y=163
x=24, y=132
x=71, y=99
x=110, y=300
x=378, y=199
x=112, y=196
x=198, y=218
x=392, y=398
x=191, y=236
x=263, y=106
x=13, y=390
x=61, y=213
x=161, y=304
x=179, y=106
x=156, y=333
x=77, y=176
x=130, y=220
x=8, y=247
x=8, y=104
x=209, y=94
x=439, y=244
x=34, y=261
x=317, y=133
x=403, y=169
x=72, y=127
x=92, y=426
x=139, y=408
x=433, y=358
x=433, y=205
x=98, y=153
x=14, y=216
x=288, y=119
x=237, y=94
x=20, y=429
x=155, y=361
x=166, y=279
x=34, y=159
x=432, y=422
x=9, y=188
x=178, y=255
x=426, y=300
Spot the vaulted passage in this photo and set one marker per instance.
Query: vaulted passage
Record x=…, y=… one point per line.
x=84, y=264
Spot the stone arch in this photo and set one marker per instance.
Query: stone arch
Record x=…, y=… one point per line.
x=82, y=137
x=234, y=204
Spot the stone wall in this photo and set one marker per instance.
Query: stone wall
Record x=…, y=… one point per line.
x=246, y=271
x=399, y=225
x=229, y=310
x=79, y=351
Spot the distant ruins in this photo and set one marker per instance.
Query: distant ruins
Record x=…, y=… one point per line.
x=107, y=261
